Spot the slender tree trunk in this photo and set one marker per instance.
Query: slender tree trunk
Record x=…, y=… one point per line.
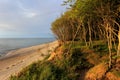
x=110, y=47
x=84, y=35
x=109, y=37
x=118, y=51
x=90, y=34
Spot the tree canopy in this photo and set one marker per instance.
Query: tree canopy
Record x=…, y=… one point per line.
x=89, y=20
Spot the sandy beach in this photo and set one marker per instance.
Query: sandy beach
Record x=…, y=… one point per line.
x=14, y=61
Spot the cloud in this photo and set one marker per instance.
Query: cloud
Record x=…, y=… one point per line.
x=6, y=27
x=30, y=14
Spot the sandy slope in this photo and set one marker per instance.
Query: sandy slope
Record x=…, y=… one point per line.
x=16, y=60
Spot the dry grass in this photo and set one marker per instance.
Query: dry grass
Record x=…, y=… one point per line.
x=111, y=76
x=97, y=72
x=93, y=58
x=56, y=54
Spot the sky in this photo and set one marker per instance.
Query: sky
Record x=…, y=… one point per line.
x=28, y=18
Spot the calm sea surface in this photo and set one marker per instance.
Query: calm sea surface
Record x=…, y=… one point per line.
x=7, y=44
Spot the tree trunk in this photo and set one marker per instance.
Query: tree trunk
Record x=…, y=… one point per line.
x=84, y=36
x=90, y=34
x=109, y=36
x=118, y=51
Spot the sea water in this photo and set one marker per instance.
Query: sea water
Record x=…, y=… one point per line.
x=7, y=44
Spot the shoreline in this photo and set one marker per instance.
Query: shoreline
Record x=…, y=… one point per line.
x=2, y=54
x=8, y=44
x=15, y=60
x=6, y=52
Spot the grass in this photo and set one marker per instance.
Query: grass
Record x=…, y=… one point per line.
x=117, y=73
x=43, y=71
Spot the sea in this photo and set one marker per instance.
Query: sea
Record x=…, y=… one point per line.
x=8, y=44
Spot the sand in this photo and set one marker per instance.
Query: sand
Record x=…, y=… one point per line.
x=16, y=60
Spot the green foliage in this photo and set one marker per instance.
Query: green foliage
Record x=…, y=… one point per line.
x=78, y=58
x=75, y=44
x=100, y=47
x=44, y=72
